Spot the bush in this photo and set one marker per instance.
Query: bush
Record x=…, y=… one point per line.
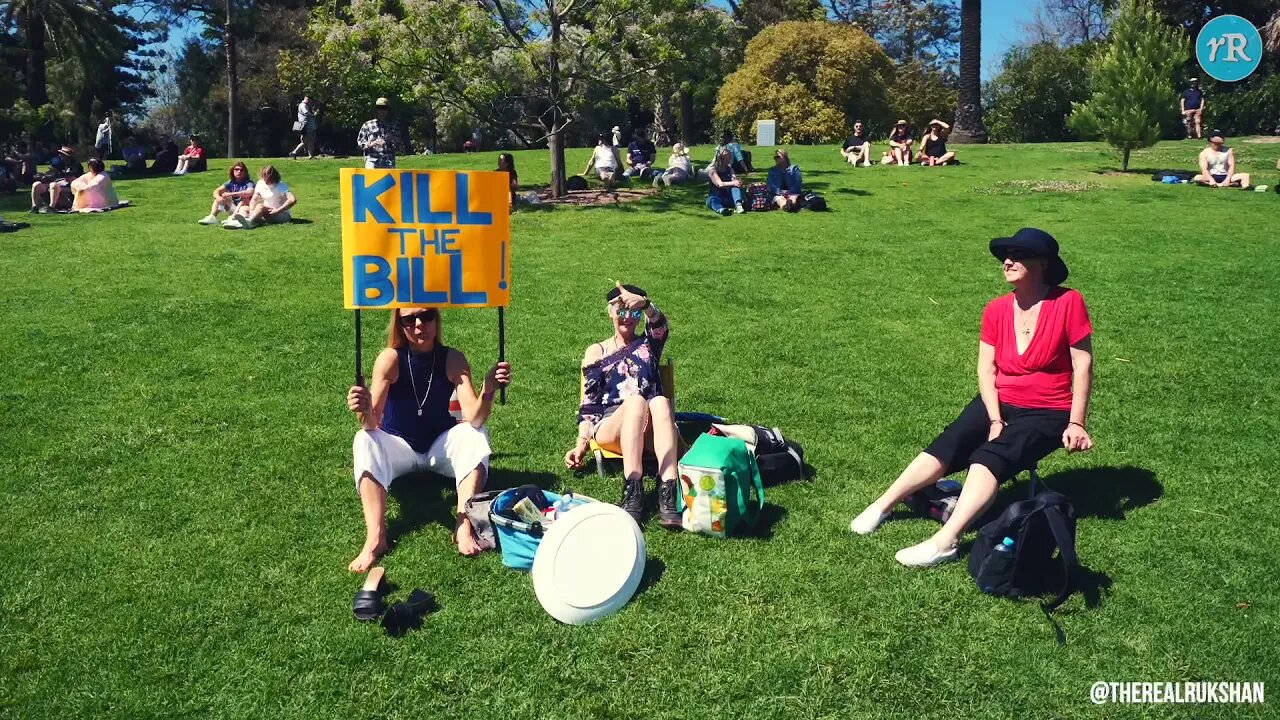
x=920, y=94
x=1030, y=99
x=814, y=78
x=1248, y=107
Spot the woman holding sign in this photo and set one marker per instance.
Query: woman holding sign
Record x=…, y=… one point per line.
x=406, y=425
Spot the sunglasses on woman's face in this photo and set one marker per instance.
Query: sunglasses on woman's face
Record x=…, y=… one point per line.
x=425, y=316
x=625, y=314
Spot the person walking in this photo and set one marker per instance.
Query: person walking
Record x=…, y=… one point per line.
x=305, y=126
x=378, y=139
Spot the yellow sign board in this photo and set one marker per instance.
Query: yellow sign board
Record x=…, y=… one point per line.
x=438, y=238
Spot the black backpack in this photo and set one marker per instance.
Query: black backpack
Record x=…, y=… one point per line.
x=1037, y=527
x=576, y=182
x=814, y=201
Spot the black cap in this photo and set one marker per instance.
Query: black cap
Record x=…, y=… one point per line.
x=1033, y=243
x=1216, y=134
x=614, y=292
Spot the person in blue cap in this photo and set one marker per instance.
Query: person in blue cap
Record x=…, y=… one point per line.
x=1035, y=378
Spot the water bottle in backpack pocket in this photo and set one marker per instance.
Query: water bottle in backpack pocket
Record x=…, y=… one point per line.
x=996, y=572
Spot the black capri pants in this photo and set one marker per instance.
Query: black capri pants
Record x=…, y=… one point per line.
x=1028, y=437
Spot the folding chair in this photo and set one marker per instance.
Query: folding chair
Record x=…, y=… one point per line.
x=667, y=371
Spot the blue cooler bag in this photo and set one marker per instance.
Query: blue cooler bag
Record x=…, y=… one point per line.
x=517, y=539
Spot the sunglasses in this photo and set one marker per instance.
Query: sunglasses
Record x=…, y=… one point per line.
x=624, y=314
x=425, y=316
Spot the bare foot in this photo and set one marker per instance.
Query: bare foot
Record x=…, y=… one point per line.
x=369, y=555
x=466, y=538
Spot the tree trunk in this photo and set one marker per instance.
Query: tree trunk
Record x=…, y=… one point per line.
x=1124, y=165
x=555, y=138
x=37, y=57
x=556, y=143
x=233, y=83
x=663, y=120
x=686, y=115
x=969, y=126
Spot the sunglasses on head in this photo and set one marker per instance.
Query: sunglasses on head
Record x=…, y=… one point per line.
x=425, y=316
x=624, y=314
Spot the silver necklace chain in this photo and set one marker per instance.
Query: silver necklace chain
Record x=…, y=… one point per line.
x=430, y=379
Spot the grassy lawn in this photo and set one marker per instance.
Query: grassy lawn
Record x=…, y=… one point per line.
x=178, y=510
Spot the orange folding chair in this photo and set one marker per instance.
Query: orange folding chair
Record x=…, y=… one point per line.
x=667, y=371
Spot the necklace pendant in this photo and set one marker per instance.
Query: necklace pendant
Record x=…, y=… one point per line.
x=419, y=412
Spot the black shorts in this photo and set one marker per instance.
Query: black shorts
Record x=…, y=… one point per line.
x=1030, y=435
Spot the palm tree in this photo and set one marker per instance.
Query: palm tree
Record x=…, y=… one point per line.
x=969, y=126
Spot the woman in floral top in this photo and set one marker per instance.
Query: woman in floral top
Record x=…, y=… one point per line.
x=623, y=407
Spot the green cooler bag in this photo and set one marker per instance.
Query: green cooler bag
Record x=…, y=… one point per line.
x=720, y=486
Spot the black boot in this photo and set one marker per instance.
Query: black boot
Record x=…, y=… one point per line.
x=633, y=498
x=668, y=516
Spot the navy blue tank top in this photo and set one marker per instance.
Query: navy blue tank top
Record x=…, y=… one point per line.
x=400, y=414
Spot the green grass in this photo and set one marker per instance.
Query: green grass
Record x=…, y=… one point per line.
x=178, y=510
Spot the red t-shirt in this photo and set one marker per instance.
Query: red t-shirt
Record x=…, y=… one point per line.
x=195, y=152
x=1040, y=377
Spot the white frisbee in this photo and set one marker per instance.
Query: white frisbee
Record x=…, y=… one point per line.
x=589, y=563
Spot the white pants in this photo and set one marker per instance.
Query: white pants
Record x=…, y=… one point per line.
x=454, y=454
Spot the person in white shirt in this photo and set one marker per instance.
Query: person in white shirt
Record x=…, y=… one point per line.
x=102, y=141
x=606, y=162
x=679, y=167
x=272, y=203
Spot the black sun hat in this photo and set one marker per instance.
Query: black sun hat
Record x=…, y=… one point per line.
x=614, y=292
x=1030, y=243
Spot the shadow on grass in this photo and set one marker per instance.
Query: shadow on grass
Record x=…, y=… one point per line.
x=852, y=191
x=424, y=498
x=300, y=221
x=770, y=516
x=1145, y=173
x=654, y=569
x=1105, y=493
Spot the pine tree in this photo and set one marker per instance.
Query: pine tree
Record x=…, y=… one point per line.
x=1134, y=95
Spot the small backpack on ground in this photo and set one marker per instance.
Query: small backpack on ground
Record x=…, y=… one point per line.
x=758, y=197
x=1184, y=175
x=720, y=486
x=778, y=458
x=1014, y=555
x=577, y=182
x=814, y=201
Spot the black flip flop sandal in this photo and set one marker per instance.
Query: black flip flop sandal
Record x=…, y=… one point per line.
x=405, y=616
x=367, y=605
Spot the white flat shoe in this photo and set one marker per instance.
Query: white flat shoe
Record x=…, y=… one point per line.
x=926, y=554
x=208, y=220
x=867, y=521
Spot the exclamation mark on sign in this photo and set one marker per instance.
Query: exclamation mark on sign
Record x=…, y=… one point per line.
x=502, y=282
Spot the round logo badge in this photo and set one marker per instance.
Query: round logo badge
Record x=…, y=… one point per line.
x=1229, y=48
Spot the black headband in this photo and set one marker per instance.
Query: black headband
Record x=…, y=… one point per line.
x=614, y=292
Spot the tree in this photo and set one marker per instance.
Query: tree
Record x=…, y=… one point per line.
x=756, y=15
x=925, y=31
x=525, y=65
x=969, y=127
x=814, y=78
x=1133, y=80
x=1069, y=22
x=1030, y=99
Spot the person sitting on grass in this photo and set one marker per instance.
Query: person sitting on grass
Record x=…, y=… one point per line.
x=271, y=203
x=641, y=154
x=933, y=146
x=726, y=189
x=785, y=182
x=623, y=408
x=406, y=426
x=166, y=159
x=679, y=168
x=857, y=149
x=507, y=164
x=93, y=190
x=1218, y=164
x=1035, y=377
x=900, y=143
x=191, y=159
x=135, y=156
x=52, y=192
x=605, y=161
x=227, y=197
x=741, y=158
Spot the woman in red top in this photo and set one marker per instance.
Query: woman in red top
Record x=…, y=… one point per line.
x=1035, y=375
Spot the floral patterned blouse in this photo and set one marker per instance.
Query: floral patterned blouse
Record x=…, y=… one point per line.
x=630, y=370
